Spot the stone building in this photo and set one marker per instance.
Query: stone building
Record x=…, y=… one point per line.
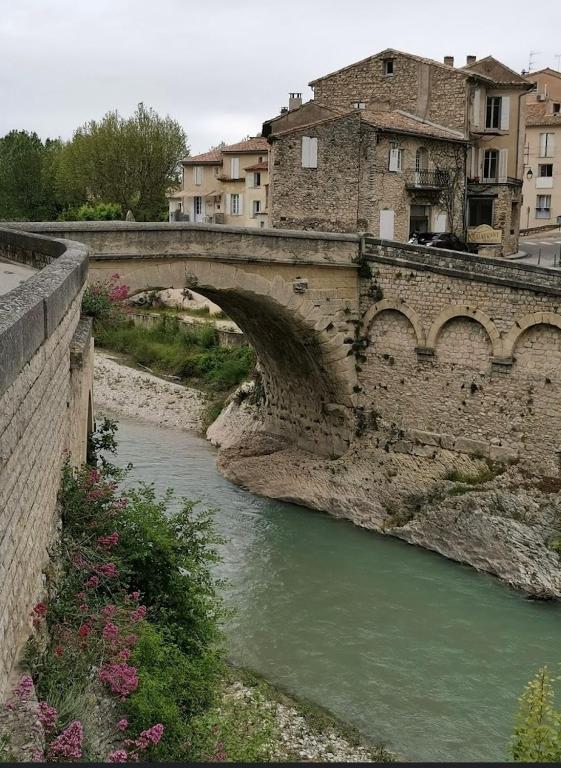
x=435, y=147
x=227, y=185
x=542, y=178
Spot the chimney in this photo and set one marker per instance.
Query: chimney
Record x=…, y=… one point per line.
x=470, y=60
x=449, y=61
x=294, y=101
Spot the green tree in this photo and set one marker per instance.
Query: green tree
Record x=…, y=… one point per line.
x=27, y=177
x=129, y=161
x=537, y=734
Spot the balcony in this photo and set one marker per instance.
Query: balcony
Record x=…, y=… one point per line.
x=427, y=180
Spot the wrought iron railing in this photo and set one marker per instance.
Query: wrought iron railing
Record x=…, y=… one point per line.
x=424, y=178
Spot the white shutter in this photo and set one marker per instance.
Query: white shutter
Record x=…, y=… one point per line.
x=505, y=113
x=394, y=160
x=313, y=153
x=228, y=203
x=387, y=224
x=503, y=165
x=305, y=151
x=195, y=174
x=240, y=204
x=235, y=168
x=476, y=106
x=440, y=222
x=550, y=144
x=473, y=163
x=481, y=164
x=543, y=144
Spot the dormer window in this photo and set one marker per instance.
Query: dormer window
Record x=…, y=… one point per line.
x=359, y=105
x=388, y=66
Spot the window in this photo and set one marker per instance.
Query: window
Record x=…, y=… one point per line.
x=197, y=205
x=556, y=108
x=480, y=211
x=309, y=152
x=198, y=175
x=396, y=158
x=235, y=207
x=490, y=165
x=216, y=170
x=388, y=65
x=546, y=144
x=235, y=168
x=545, y=169
x=493, y=115
x=260, y=159
x=359, y=105
x=256, y=207
x=257, y=179
x=543, y=207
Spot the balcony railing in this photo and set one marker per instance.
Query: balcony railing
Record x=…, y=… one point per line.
x=428, y=179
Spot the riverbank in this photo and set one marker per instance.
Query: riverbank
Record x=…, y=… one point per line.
x=507, y=524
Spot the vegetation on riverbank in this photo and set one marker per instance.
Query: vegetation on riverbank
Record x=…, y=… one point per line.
x=537, y=734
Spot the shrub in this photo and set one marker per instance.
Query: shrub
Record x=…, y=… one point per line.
x=537, y=734
x=102, y=300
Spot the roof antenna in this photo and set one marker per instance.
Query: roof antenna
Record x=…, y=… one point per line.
x=557, y=58
x=531, y=58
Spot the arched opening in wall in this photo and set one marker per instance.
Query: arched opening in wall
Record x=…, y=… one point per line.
x=537, y=356
x=464, y=342
x=392, y=334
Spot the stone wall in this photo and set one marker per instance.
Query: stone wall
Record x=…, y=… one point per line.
x=45, y=394
x=463, y=353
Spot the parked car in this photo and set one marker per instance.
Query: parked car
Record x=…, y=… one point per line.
x=441, y=240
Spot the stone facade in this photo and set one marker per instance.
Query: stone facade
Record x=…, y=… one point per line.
x=45, y=396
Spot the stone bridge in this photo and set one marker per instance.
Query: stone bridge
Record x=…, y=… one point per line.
x=451, y=351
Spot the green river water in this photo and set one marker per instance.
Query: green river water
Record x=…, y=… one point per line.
x=421, y=653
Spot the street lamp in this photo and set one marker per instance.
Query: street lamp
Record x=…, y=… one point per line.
x=530, y=174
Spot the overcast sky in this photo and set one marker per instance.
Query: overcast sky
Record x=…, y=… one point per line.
x=220, y=67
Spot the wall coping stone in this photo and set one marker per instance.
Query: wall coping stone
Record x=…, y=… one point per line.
x=31, y=311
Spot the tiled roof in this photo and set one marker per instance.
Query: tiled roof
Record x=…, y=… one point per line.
x=545, y=71
x=497, y=71
x=536, y=114
x=396, y=121
x=214, y=156
x=404, y=122
x=258, y=167
x=393, y=52
x=255, y=144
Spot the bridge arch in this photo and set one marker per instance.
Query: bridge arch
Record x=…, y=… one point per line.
x=472, y=313
x=535, y=318
x=395, y=306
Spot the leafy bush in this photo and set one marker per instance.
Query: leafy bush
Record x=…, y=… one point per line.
x=537, y=734
x=99, y=212
x=102, y=301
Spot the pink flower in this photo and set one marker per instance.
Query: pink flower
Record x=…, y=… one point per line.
x=94, y=476
x=118, y=756
x=110, y=631
x=135, y=596
x=138, y=614
x=121, y=503
x=131, y=640
x=108, y=542
x=116, y=276
x=68, y=744
x=24, y=688
x=47, y=715
x=123, y=724
x=108, y=569
x=92, y=582
x=84, y=607
x=124, y=655
x=40, y=609
x=108, y=611
x=153, y=734
x=79, y=561
x=84, y=630
x=59, y=650
x=121, y=678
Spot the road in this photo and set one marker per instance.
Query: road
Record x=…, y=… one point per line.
x=543, y=248
x=12, y=274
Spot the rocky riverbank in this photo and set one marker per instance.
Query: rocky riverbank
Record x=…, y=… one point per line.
x=502, y=522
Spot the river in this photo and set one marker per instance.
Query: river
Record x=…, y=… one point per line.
x=419, y=652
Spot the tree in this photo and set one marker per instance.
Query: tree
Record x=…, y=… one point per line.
x=131, y=162
x=27, y=177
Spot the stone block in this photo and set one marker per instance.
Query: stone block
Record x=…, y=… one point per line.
x=472, y=447
x=503, y=454
x=426, y=451
x=425, y=438
x=447, y=442
x=402, y=446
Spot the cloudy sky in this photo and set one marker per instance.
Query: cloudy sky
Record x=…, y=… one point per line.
x=222, y=66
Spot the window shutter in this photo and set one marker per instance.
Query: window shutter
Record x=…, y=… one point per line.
x=313, y=153
x=503, y=165
x=551, y=144
x=228, y=203
x=387, y=218
x=505, y=113
x=394, y=160
x=481, y=164
x=240, y=204
x=476, y=106
x=235, y=168
x=542, y=144
x=305, y=151
x=194, y=174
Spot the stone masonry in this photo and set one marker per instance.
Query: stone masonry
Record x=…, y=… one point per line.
x=45, y=390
